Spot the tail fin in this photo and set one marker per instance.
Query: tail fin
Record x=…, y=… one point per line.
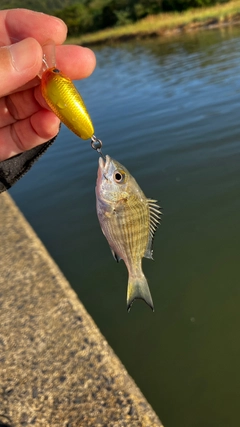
x=138, y=289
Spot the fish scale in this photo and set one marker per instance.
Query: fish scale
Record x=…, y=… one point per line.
x=137, y=237
x=135, y=217
x=128, y=220
x=134, y=240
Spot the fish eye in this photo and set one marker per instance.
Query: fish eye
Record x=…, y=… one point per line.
x=119, y=176
x=56, y=70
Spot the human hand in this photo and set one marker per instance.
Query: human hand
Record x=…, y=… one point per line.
x=25, y=120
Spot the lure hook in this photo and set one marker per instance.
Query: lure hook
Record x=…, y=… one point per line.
x=96, y=144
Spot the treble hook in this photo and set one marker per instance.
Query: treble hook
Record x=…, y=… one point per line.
x=96, y=144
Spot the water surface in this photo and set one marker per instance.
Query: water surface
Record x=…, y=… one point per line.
x=169, y=111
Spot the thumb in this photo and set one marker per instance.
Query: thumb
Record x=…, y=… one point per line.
x=19, y=63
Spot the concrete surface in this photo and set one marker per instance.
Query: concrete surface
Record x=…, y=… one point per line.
x=56, y=369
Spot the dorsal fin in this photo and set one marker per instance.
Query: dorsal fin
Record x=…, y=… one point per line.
x=155, y=217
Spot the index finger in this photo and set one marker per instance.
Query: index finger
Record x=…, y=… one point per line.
x=18, y=24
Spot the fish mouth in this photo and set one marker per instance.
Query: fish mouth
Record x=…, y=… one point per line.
x=104, y=166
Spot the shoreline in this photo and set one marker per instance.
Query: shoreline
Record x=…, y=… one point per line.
x=166, y=25
x=163, y=34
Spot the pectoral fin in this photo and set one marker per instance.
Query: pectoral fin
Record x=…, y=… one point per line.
x=115, y=255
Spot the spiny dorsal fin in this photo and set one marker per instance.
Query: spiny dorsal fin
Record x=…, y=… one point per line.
x=155, y=217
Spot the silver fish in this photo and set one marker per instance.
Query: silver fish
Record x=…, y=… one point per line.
x=129, y=221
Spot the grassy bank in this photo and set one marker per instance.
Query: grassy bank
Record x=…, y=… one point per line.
x=167, y=24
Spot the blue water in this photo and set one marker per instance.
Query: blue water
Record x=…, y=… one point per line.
x=169, y=111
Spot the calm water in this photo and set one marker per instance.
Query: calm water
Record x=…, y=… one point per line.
x=170, y=112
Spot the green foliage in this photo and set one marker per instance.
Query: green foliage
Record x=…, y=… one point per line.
x=181, y=5
x=78, y=18
x=147, y=7
x=46, y=6
x=84, y=16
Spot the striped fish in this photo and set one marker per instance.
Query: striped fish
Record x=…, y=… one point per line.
x=129, y=221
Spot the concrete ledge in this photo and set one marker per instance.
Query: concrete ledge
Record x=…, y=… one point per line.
x=56, y=369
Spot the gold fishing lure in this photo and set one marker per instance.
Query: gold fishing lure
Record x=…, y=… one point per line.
x=66, y=102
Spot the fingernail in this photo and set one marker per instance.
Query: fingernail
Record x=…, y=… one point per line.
x=22, y=55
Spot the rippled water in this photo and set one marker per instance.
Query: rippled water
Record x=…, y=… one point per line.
x=169, y=111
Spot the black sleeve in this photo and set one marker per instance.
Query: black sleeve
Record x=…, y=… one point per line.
x=11, y=170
